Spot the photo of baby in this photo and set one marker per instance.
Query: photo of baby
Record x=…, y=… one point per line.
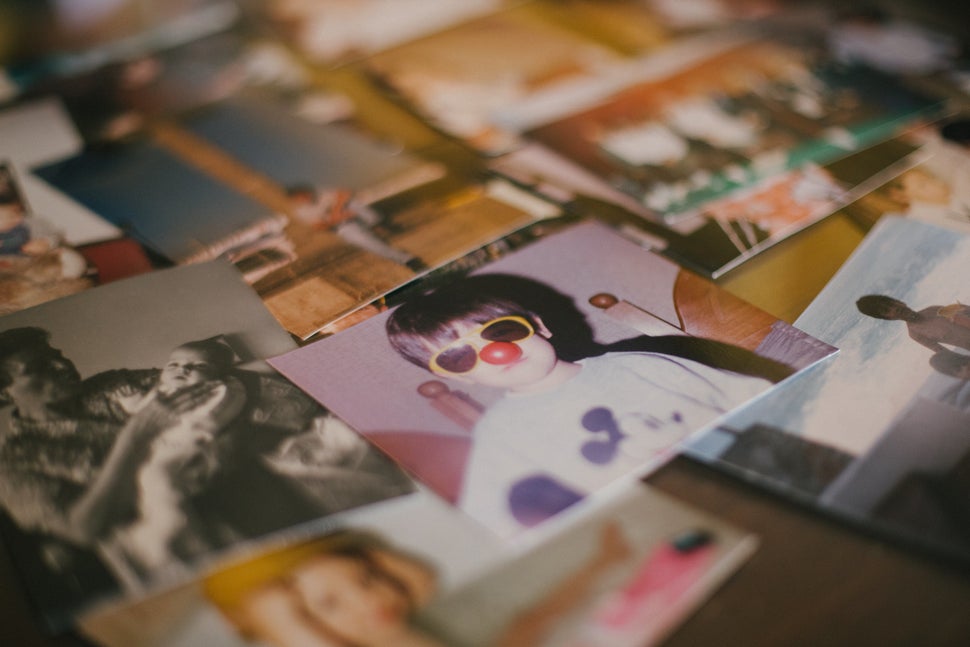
x=122, y=460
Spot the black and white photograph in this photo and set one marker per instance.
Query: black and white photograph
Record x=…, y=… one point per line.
x=878, y=435
x=139, y=438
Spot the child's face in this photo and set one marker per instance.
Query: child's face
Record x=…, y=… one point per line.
x=185, y=367
x=516, y=365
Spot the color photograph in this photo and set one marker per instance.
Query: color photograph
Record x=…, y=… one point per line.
x=36, y=265
x=620, y=577
x=469, y=79
x=935, y=189
x=877, y=434
x=512, y=395
x=751, y=110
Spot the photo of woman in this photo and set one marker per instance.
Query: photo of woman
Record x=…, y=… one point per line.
x=342, y=590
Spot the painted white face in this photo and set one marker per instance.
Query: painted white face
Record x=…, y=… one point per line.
x=519, y=367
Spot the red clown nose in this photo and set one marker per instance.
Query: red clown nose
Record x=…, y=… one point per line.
x=500, y=352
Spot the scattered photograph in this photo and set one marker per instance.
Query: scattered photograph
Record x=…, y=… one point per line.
x=467, y=79
x=376, y=248
x=143, y=434
x=36, y=265
x=519, y=388
x=877, y=435
x=132, y=187
x=627, y=575
x=751, y=110
x=725, y=232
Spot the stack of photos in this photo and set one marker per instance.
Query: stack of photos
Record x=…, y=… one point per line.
x=466, y=80
x=508, y=393
x=416, y=572
x=336, y=31
x=725, y=232
x=363, y=323
x=753, y=108
x=143, y=435
x=319, y=219
x=936, y=189
x=878, y=434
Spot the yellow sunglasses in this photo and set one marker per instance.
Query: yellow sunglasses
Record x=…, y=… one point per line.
x=461, y=355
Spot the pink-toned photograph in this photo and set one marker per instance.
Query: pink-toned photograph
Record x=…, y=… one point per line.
x=519, y=389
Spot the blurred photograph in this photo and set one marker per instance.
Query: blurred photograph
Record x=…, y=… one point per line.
x=877, y=435
x=616, y=576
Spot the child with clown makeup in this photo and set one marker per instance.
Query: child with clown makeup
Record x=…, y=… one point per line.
x=562, y=429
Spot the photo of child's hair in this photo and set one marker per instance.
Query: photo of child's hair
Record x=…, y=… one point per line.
x=432, y=319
